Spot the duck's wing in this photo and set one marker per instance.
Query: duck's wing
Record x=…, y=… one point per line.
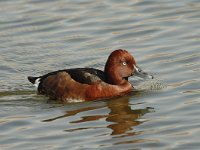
x=81, y=75
x=86, y=75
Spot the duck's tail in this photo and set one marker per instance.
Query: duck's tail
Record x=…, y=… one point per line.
x=34, y=80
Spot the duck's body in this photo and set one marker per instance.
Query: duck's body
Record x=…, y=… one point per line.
x=88, y=83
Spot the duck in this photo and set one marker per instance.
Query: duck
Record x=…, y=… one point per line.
x=86, y=84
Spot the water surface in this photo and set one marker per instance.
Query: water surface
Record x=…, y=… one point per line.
x=41, y=36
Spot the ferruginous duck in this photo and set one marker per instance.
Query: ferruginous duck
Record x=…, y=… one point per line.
x=87, y=84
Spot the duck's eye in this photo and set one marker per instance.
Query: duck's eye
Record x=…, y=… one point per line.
x=124, y=63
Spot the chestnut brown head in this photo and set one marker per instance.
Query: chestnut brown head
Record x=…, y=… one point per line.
x=120, y=66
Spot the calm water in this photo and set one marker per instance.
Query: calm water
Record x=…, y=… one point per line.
x=41, y=36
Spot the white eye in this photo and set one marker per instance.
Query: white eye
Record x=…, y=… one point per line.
x=124, y=63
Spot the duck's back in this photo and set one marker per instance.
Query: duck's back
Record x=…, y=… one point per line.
x=86, y=75
x=80, y=75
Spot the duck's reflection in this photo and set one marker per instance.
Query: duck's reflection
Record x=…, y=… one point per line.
x=122, y=117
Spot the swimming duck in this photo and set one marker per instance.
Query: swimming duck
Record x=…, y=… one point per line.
x=87, y=84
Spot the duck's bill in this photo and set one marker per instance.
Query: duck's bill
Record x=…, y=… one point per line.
x=140, y=73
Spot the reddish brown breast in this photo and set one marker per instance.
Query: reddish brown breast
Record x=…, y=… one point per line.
x=103, y=90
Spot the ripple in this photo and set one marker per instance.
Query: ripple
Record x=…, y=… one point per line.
x=41, y=36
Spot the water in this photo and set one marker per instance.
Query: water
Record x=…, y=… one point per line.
x=41, y=36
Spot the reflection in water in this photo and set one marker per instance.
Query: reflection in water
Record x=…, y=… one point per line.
x=41, y=36
x=72, y=113
x=121, y=116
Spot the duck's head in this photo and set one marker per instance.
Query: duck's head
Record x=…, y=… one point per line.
x=120, y=66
